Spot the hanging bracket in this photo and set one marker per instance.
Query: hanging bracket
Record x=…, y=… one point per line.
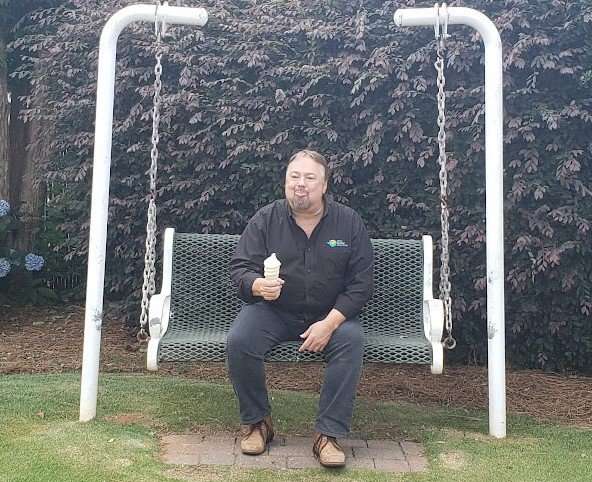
x=160, y=26
x=441, y=17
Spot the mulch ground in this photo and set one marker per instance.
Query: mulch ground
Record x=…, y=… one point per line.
x=49, y=340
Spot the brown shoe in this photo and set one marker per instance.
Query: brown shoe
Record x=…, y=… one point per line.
x=258, y=435
x=328, y=451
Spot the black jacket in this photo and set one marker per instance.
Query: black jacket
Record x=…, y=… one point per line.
x=332, y=269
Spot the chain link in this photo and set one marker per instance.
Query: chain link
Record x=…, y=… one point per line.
x=148, y=286
x=449, y=342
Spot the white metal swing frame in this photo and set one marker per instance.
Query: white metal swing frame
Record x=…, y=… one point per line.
x=493, y=171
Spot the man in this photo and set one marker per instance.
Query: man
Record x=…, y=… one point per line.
x=326, y=277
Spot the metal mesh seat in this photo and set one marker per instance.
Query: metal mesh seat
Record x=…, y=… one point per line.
x=204, y=303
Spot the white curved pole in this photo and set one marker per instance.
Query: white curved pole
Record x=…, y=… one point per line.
x=493, y=194
x=100, y=185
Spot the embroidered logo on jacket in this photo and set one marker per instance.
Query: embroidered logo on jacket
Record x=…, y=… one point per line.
x=337, y=243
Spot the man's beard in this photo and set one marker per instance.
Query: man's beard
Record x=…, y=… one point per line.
x=300, y=203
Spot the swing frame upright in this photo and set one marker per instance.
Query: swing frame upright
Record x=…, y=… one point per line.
x=494, y=187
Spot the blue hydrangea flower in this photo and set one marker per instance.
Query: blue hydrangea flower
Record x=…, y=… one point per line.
x=4, y=208
x=4, y=267
x=34, y=262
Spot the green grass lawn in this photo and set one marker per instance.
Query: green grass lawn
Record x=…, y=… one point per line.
x=41, y=440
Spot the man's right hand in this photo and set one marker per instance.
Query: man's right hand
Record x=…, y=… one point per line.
x=269, y=289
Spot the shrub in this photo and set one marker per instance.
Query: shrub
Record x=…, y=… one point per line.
x=21, y=280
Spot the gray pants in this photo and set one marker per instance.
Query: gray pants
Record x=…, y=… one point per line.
x=257, y=329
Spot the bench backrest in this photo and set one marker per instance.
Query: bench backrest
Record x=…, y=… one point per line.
x=202, y=294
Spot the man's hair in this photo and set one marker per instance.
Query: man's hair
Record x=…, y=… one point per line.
x=316, y=157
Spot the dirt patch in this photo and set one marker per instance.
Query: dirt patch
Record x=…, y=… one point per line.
x=128, y=419
x=479, y=437
x=453, y=460
x=49, y=340
x=484, y=438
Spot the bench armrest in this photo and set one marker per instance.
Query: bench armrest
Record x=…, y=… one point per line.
x=160, y=304
x=433, y=320
x=433, y=309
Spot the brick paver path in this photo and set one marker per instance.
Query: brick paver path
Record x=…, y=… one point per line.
x=291, y=453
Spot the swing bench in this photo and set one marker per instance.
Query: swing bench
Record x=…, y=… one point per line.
x=190, y=318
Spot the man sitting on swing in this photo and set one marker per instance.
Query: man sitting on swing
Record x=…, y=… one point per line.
x=326, y=277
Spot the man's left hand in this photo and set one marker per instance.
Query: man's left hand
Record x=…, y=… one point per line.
x=317, y=336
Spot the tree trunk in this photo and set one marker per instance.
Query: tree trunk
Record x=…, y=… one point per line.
x=27, y=189
x=18, y=136
x=32, y=192
x=4, y=120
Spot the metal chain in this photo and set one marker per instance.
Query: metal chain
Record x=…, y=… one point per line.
x=449, y=342
x=148, y=286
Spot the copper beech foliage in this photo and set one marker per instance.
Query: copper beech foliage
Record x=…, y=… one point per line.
x=267, y=77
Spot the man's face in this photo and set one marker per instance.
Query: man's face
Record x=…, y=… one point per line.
x=305, y=184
